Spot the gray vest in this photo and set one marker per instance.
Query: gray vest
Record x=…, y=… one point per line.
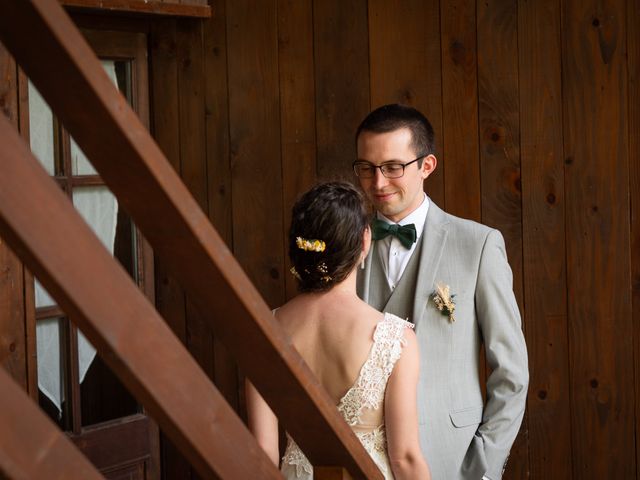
x=400, y=301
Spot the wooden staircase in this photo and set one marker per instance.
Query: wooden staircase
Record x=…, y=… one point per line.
x=104, y=303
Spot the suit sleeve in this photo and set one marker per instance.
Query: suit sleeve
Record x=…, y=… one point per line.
x=506, y=352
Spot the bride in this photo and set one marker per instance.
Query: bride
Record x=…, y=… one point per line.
x=367, y=361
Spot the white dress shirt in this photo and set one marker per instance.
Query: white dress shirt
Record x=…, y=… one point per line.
x=393, y=255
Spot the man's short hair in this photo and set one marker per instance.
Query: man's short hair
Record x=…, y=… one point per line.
x=394, y=116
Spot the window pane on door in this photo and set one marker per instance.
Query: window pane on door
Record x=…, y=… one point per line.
x=102, y=397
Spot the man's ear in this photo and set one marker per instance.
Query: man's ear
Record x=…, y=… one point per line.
x=429, y=164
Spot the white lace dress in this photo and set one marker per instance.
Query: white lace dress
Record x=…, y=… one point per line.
x=363, y=405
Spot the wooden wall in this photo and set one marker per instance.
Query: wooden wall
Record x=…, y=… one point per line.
x=536, y=106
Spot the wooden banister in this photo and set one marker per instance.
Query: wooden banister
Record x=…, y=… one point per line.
x=43, y=228
x=132, y=165
x=31, y=446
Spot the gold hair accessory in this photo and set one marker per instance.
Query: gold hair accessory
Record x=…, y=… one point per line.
x=322, y=268
x=312, y=245
x=295, y=273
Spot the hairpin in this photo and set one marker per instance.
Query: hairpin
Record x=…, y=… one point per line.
x=295, y=273
x=312, y=245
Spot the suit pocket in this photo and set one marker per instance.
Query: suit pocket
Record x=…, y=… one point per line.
x=466, y=416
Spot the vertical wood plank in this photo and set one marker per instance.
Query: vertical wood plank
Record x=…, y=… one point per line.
x=219, y=168
x=170, y=298
x=29, y=291
x=193, y=165
x=499, y=125
x=166, y=131
x=543, y=207
x=414, y=77
x=597, y=206
x=13, y=349
x=297, y=109
x=460, y=108
x=193, y=160
x=254, y=116
x=633, y=69
x=342, y=82
x=12, y=330
x=217, y=121
x=191, y=101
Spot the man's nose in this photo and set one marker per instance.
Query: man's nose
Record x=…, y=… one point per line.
x=379, y=180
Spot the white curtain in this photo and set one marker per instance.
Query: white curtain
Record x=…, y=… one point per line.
x=99, y=208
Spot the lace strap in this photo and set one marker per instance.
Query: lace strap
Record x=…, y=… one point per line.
x=369, y=389
x=388, y=341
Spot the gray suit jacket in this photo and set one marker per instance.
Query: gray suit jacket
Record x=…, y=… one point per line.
x=462, y=437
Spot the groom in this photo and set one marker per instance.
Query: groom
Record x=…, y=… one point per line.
x=418, y=248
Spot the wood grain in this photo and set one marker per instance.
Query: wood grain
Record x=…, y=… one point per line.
x=460, y=109
x=135, y=169
x=597, y=222
x=254, y=116
x=297, y=111
x=31, y=445
x=413, y=77
x=219, y=179
x=170, y=299
x=543, y=208
x=499, y=124
x=633, y=74
x=194, y=8
x=13, y=348
x=77, y=270
x=340, y=42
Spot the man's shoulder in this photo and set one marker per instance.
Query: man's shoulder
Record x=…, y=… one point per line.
x=463, y=228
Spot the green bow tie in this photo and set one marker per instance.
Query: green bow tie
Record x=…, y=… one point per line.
x=405, y=233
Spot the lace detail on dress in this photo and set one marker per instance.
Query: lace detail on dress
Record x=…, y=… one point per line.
x=370, y=386
x=294, y=456
x=367, y=392
x=375, y=440
x=375, y=443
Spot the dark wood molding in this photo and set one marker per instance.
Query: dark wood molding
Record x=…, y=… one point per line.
x=142, y=7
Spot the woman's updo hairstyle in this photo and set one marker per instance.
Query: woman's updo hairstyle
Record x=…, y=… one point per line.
x=333, y=213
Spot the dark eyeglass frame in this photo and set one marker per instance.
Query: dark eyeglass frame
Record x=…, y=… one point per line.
x=383, y=167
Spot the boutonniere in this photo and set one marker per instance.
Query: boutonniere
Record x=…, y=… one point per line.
x=444, y=301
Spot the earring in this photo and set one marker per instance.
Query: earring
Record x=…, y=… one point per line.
x=362, y=262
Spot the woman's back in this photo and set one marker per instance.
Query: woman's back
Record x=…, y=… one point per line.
x=333, y=333
x=353, y=356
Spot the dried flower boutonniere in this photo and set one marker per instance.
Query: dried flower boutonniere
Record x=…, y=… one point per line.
x=444, y=301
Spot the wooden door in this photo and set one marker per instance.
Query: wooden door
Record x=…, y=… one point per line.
x=75, y=387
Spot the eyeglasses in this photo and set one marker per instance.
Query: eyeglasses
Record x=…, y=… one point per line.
x=364, y=169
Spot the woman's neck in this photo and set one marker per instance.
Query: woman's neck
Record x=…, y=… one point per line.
x=346, y=287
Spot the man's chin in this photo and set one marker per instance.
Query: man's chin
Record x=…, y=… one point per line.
x=386, y=211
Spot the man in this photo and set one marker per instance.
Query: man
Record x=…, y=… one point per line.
x=450, y=277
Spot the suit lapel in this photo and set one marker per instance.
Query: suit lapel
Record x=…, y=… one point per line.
x=434, y=238
x=417, y=286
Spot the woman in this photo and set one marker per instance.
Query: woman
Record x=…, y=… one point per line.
x=367, y=361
